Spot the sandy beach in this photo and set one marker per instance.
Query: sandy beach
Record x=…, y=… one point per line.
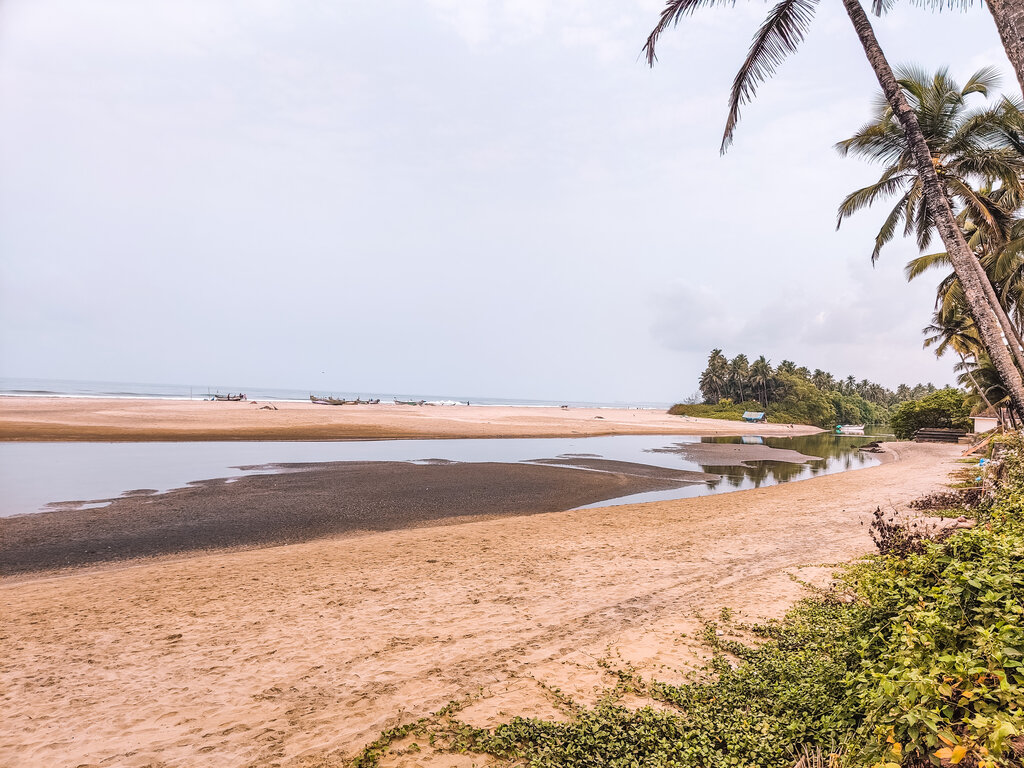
x=298, y=655
x=70, y=418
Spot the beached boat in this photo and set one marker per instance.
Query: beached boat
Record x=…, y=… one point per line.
x=850, y=429
x=409, y=402
x=229, y=398
x=336, y=401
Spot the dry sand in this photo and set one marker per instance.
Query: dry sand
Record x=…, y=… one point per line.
x=298, y=655
x=68, y=418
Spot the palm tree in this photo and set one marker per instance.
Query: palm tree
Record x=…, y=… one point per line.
x=1007, y=14
x=779, y=35
x=786, y=366
x=739, y=372
x=715, y=376
x=1009, y=18
x=952, y=329
x=969, y=150
x=982, y=380
x=761, y=376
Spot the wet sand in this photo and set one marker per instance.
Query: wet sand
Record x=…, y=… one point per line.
x=308, y=502
x=67, y=418
x=298, y=655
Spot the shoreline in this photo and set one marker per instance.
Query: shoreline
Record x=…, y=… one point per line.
x=300, y=654
x=77, y=419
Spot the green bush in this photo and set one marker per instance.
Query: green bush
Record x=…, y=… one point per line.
x=945, y=409
x=723, y=409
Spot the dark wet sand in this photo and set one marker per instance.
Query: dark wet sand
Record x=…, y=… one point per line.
x=317, y=501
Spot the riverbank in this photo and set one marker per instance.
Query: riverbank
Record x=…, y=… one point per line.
x=298, y=655
x=122, y=419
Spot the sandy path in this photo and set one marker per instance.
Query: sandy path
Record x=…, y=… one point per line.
x=66, y=418
x=298, y=655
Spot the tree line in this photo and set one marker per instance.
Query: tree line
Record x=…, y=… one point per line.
x=795, y=393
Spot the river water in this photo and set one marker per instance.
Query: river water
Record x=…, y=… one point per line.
x=35, y=475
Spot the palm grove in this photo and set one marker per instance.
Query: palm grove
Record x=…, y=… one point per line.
x=793, y=393
x=952, y=160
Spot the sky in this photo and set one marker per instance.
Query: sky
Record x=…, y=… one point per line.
x=494, y=198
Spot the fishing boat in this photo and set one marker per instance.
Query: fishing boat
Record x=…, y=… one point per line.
x=229, y=398
x=335, y=401
x=409, y=402
x=849, y=429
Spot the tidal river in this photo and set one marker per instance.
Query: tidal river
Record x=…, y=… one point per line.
x=37, y=477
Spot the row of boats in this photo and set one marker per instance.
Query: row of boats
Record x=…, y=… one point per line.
x=336, y=401
x=230, y=398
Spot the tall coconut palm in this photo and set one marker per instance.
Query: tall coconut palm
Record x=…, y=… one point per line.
x=975, y=153
x=969, y=148
x=1007, y=14
x=715, y=377
x=779, y=35
x=1009, y=18
x=952, y=330
x=739, y=372
x=761, y=376
x=1002, y=259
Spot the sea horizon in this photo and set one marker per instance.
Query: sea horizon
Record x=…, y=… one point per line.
x=11, y=386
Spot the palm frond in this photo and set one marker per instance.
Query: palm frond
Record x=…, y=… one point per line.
x=918, y=266
x=888, y=185
x=888, y=230
x=984, y=80
x=779, y=35
x=673, y=11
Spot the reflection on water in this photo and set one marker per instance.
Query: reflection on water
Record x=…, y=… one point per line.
x=838, y=453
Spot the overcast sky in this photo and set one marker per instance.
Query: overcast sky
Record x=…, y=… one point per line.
x=475, y=197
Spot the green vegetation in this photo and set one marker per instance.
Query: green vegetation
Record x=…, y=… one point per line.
x=948, y=408
x=791, y=394
x=911, y=660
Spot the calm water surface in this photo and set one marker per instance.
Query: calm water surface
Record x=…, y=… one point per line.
x=33, y=475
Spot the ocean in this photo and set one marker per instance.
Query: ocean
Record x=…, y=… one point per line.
x=12, y=386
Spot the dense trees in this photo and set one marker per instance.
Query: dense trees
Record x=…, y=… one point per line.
x=794, y=393
x=946, y=409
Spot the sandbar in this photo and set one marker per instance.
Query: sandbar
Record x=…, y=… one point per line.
x=309, y=501
x=74, y=418
x=298, y=655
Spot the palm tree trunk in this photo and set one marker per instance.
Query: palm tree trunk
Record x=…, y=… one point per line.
x=1009, y=18
x=964, y=263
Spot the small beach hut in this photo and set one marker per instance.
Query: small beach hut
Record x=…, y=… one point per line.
x=754, y=416
x=985, y=421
